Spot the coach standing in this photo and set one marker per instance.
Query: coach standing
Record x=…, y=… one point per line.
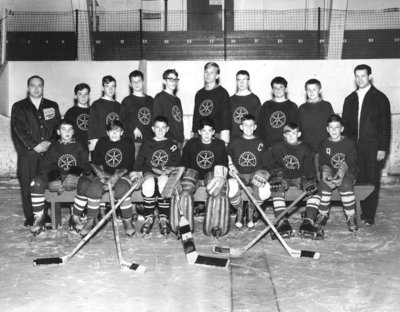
x=33, y=127
x=367, y=120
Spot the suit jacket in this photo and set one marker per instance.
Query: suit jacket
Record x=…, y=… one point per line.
x=375, y=119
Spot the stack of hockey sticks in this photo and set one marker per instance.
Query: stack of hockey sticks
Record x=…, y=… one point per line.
x=66, y=258
x=271, y=226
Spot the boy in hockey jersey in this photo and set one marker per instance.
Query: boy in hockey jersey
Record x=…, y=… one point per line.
x=79, y=113
x=291, y=164
x=112, y=159
x=276, y=113
x=64, y=162
x=312, y=116
x=206, y=163
x=245, y=159
x=338, y=164
x=103, y=111
x=137, y=111
x=167, y=104
x=243, y=102
x=155, y=160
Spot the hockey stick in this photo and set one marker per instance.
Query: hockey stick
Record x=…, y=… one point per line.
x=292, y=252
x=238, y=252
x=189, y=248
x=66, y=258
x=133, y=266
x=172, y=182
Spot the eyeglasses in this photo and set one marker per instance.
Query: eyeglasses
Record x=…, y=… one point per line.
x=173, y=79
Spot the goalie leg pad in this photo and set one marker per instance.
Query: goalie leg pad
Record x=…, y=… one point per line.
x=216, y=220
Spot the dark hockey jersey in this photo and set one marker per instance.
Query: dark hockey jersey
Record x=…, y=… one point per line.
x=114, y=155
x=273, y=117
x=157, y=154
x=333, y=153
x=246, y=154
x=294, y=161
x=241, y=106
x=63, y=156
x=79, y=116
x=101, y=113
x=137, y=112
x=204, y=157
x=215, y=104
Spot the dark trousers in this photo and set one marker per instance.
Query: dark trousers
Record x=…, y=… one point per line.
x=369, y=172
x=28, y=167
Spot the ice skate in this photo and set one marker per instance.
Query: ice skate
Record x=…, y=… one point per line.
x=239, y=217
x=164, y=226
x=307, y=229
x=284, y=228
x=319, y=224
x=47, y=222
x=129, y=227
x=352, y=223
x=75, y=223
x=38, y=225
x=90, y=224
x=147, y=225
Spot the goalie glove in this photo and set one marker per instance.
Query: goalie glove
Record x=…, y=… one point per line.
x=260, y=178
x=136, y=177
x=309, y=184
x=217, y=183
x=327, y=176
x=342, y=170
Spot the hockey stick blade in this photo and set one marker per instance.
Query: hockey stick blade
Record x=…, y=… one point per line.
x=134, y=266
x=212, y=261
x=46, y=261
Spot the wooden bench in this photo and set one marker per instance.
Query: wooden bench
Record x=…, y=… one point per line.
x=361, y=192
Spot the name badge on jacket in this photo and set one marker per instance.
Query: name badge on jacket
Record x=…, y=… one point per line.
x=49, y=113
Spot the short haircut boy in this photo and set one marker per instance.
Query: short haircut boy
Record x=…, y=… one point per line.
x=279, y=80
x=107, y=79
x=249, y=117
x=212, y=64
x=168, y=72
x=313, y=81
x=114, y=124
x=334, y=118
x=206, y=121
x=160, y=119
x=136, y=73
x=363, y=67
x=290, y=127
x=243, y=72
x=81, y=86
x=64, y=122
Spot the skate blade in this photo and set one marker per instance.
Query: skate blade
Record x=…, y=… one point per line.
x=38, y=232
x=283, y=235
x=306, y=235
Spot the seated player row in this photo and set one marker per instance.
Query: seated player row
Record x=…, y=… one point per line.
x=206, y=159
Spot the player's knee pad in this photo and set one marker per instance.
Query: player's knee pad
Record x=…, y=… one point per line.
x=38, y=185
x=233, y=188
x=216, y=220
x=95, y=190
x=161, y=182
x=149, y=186
x=262, y=193
x=83, y=185
x=347, y=184
x=122, y=187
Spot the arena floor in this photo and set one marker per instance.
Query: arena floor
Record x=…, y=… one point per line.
x=355, y=272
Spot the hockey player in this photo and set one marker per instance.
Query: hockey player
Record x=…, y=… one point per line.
x=243, y=102
x=155, y=160
x=167, y=104
x=103, y=111
x=137, y=111
x=213, y=101
x=245, y=159
x=276, y=113
x=206, y=163
x=291, y=164
x=112, y=159
x=65, y=161
x=79, y=113
x=338, y=164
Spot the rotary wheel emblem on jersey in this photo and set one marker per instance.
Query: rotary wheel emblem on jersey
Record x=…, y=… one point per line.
x=205, y=159
x=82, y=121
x=144, y=115
x=337, y=159
x=113, y=157
x=239, y=113
x=247, y=159
x=111, y=117
x=176, y=112
x=159, y=158
x=291, y=162
x=277, y=119
x=66, y=161
x=206, y=108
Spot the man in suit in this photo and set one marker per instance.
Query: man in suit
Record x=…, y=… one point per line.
x=367, y=120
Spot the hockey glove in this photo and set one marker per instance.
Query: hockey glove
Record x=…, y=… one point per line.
x=136, y=177
x=217, y=182
x=277, y=183
x=114, y=178
x=260, y=178
x=165, y=170
x=327, y=177
x=56, y=186
x=342, y=170
x=309, y=184
x=71, y=181
x=232, y=170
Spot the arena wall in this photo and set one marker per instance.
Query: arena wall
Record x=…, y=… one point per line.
x=61, y=77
